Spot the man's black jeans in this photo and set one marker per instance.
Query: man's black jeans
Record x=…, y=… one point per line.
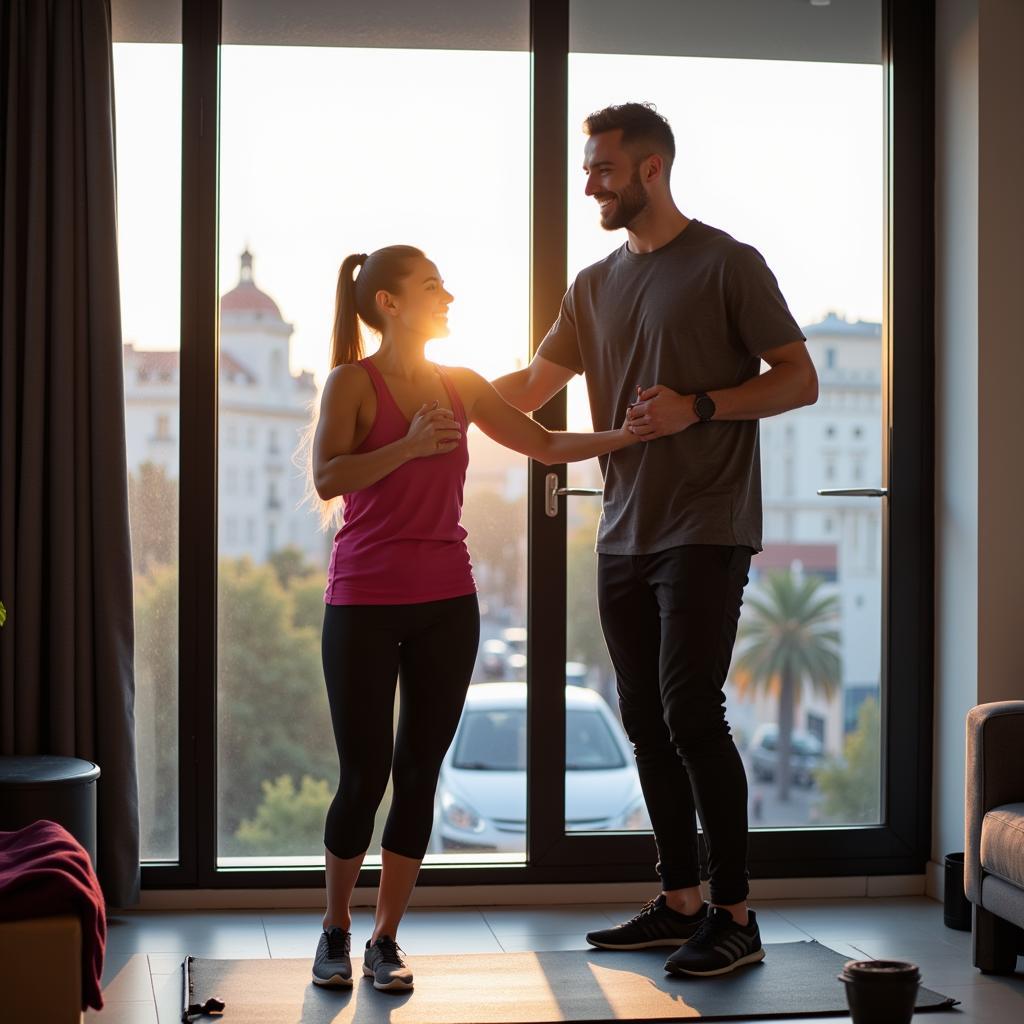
x=670, y=619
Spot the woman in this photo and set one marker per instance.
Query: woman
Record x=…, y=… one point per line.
x=400, y=599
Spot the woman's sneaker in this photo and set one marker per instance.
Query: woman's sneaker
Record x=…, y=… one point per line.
x=332, y=965
x=657, y=924
x=718, y=946
x=383, y=962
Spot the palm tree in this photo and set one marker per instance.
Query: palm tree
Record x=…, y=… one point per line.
x=789, y=638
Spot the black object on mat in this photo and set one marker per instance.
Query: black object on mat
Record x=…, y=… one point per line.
x=796, y=979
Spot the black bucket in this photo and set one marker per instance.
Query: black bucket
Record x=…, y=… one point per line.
x=956, y=906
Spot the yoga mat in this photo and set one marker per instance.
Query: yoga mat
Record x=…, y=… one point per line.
x=795, y=979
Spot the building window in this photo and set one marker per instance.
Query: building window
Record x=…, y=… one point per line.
x=830, y=431
x=250, y=531
x=272, y=447
x=231, y=436
x=250, y=481
x=830, y=359
x=816, y=727
x=250, y=437
x=163, y=427
x=230, y=530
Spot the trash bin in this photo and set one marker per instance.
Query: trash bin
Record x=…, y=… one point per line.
x=60, y=789
x=956, y=906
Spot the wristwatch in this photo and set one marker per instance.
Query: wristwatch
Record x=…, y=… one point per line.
x=703, y=406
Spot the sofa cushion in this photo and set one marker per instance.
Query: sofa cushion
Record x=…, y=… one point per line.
x=1002, y=842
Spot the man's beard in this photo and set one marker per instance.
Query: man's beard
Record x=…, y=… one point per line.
x=630, y=203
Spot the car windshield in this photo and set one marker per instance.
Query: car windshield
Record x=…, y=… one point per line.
x=798, y=744
x=494, y=739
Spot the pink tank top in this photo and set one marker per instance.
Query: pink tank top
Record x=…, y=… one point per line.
x=400, y=540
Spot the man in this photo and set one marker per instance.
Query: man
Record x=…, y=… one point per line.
x=674, y=325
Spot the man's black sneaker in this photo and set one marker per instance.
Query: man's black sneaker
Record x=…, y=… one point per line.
x=718, y=946
x=657, y=924
x=332, y=965
x=383, y=962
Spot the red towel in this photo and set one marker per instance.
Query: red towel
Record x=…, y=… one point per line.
x=44, y=871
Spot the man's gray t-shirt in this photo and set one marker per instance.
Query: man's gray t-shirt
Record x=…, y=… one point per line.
x=694, y=315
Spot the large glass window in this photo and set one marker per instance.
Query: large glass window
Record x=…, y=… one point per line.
x=147, y=93
x=327, y=150
x=342, y=128
x=778, y=120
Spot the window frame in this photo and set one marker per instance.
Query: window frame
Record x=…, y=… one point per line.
x=899, y=846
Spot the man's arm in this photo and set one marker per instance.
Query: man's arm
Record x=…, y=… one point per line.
x=790, y=382
x=535, y=385
x=509, y=426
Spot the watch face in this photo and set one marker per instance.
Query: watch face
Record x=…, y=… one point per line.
x=705, y=407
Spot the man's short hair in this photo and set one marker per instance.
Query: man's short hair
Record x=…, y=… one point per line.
x=641, y=125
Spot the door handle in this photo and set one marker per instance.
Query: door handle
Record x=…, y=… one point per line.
x=854, y=492
x=552, y=492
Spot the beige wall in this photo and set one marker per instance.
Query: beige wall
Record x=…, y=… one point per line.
x=1001, y=351
x=979, y=281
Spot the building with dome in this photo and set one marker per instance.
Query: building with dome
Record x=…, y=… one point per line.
x=263, y=410
x=835, y=443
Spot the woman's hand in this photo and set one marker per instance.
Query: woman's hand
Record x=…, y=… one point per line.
x=626, y=432
x=433, y=431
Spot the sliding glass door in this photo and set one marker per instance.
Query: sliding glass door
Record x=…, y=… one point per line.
x=780, y=143
x=789, y=138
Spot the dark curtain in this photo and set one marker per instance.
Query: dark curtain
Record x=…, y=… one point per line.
x=66, y=678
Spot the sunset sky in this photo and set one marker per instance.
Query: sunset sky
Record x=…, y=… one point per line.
x=330, y=151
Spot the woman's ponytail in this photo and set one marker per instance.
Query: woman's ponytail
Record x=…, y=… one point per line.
x=346, y=338
x=355, y=305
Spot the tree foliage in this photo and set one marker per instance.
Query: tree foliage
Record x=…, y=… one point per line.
x=286, y=821
x=156, y=706
x=289, y=564
x=851, y=786
x=272, y=711
x=787, y=640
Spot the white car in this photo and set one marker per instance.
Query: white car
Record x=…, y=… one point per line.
x=481, y=793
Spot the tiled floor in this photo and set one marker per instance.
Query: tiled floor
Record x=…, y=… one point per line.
x=142, y=979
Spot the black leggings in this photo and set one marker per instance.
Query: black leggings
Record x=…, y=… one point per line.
x=432, y=648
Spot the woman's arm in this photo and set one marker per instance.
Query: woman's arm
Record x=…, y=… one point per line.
x=336, y=470
x=514, y=429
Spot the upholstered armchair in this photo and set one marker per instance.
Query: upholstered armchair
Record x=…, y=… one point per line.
x=994, y=833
